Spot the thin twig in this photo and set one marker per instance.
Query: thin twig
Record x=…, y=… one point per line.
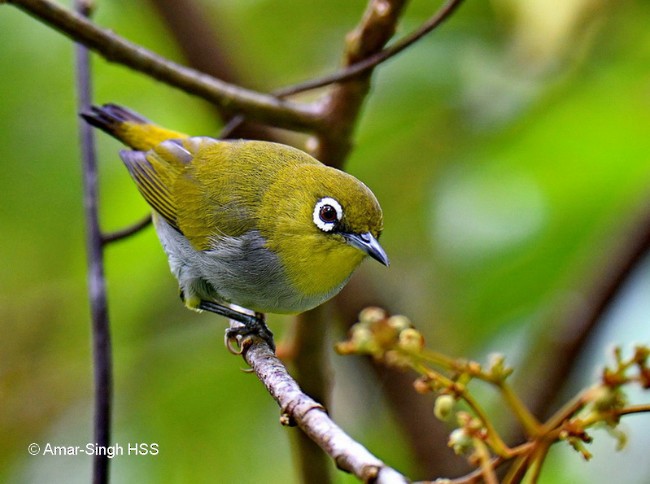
x=486, y=465
x=255, y=105
x=206, y=48
x=102, y=359
x=477, y=474
x=427, y=437
x=343, y=102
x=127, y=231
x=563, y=346
x=632, y=409
x=359, y=67
x=374, y=60
x=300, y=409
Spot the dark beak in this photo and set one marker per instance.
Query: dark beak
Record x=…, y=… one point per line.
x=368, y=243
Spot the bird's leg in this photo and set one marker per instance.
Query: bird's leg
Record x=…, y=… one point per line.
x=251, y=324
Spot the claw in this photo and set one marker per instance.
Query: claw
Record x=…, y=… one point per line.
x=232, y=343
x=251, y=325
x=258, y=329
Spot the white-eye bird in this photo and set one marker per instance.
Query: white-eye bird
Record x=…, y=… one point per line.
x=257, y=224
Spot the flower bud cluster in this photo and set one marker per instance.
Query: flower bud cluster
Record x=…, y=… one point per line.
x=389, y=338
x=461, y=440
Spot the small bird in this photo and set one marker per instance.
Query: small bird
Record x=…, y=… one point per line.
x=257, y=224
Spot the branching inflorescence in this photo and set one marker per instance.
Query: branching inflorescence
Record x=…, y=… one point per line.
x=393, y=341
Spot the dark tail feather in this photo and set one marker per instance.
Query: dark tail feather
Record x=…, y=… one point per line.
x=110, y=117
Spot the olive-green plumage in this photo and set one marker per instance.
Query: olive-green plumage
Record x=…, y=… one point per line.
x=258, y=224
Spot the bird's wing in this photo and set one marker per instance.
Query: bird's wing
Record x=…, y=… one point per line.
x=154, y=173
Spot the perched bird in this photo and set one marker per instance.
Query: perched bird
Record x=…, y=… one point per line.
x=260, y=225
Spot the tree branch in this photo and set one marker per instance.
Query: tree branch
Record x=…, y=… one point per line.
x=565, y=344
x=309, y=359
x=114, y=48
x=206, y=49
x=426, y=436
x=343, y=103
x=126, y=232
x=301, y=410
x=101, y=337
x=360, y=67
x=374, y=60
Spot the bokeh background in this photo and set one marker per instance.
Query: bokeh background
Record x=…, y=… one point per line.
x=510, y=151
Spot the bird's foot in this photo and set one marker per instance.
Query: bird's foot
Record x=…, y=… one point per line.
x=251, y=326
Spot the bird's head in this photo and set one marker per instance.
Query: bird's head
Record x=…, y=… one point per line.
x=322, y=223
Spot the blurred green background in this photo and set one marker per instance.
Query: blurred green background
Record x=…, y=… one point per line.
x=510, y=151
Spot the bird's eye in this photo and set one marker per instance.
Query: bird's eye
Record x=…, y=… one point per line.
x=327, y=214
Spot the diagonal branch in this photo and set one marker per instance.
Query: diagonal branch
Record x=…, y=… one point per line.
x=127, y=231
x=374, y=60
x=301, y=410
x=360, y=67
x=206, y=49
x=342, y=105
x=114, y=48
x=566, y=343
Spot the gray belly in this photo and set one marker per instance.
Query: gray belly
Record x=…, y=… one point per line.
x=238, y=270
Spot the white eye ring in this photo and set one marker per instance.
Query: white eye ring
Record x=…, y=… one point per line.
x=323, y=224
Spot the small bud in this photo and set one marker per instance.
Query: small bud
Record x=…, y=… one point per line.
x=399, y=322
x=641, y=355
x=460, y=441
x=474, y=368
x=372, y=314
x=397, y=359
x=443, y=406
x=606, y=399
x=287, y=420
x=382, y=7
x=411, y=340
x=644, y=378
x=363, y=340
x=498, y=369
x=422, y=385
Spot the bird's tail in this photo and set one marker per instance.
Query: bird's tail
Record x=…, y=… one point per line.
x=130, y=128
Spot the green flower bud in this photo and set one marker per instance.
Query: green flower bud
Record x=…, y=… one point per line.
x=399, y=322
x=460, y=442
x=411, y=340
x=443, y=406
x=372, y=314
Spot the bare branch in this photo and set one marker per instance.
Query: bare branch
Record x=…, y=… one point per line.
x=343, y=103
x=126, y=232
x=426, y=436
x=114, y=48
x=374, y=60
x=359, y=67
x=303, y=411
x=565, y=344
x=206, y=49
x=102, y=358
x=311, y=365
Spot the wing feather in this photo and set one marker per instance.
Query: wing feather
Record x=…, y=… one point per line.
x=152, y=183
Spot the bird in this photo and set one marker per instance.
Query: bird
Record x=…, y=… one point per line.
x=259, y=225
